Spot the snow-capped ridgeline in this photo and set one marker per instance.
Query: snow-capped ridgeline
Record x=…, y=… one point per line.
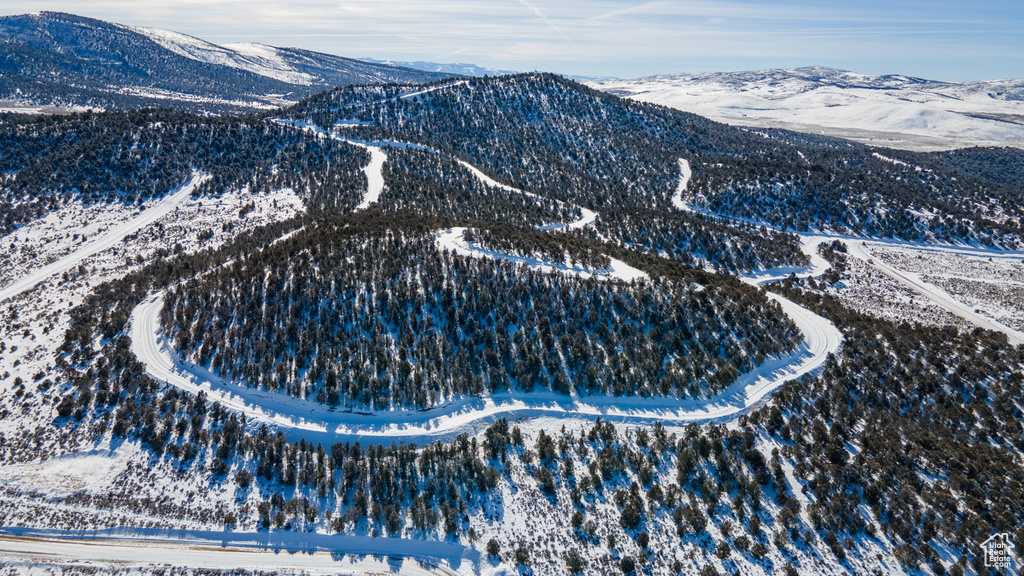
x=256, y=58
x=894, y=111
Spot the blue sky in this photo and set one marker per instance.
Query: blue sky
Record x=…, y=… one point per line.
x=938, y=39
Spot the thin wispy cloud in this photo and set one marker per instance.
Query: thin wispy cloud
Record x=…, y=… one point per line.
x=940, y=38
x=545, y=19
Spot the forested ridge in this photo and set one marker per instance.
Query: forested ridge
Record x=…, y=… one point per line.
x=552, y=136
x=691, y=238
x=909, y=440
x=389, y=319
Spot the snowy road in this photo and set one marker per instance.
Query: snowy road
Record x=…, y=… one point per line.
x=453, y=241
x=306, y=419
x=374, y=175
x=107, y=240
x=933, y=293
x=858, y=247
x=306, y=553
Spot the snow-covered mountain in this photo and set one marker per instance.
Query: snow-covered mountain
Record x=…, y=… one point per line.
x=58, y=59
x=892, y=110
x=456, y=68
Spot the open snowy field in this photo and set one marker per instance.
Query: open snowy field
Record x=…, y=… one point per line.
x=890, y=111
x=992, y=285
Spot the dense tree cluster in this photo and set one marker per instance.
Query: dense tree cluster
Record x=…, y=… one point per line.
x=909, y=196
x=389, y=319
x=559, y=248
x=133, y=156
x=552, y=136
x=921, y=424
x=687, y=238
x=435, y=184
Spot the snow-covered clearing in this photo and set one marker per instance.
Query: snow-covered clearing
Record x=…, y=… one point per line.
x=109, y=239
x=34, y=321
x=992, y=285
x=937, y=295
x=307, y=553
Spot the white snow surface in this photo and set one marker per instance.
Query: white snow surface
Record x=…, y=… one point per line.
x=321, y=553
x=256, y=58
x=453, y=241
x=105, y=242
x=892, y=111
x=374, y=174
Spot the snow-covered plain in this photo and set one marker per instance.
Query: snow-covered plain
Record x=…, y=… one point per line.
x=891, y=111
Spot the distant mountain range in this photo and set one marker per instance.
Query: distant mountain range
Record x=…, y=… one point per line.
x=459, y=69
x=61, y=60
x=892, y=110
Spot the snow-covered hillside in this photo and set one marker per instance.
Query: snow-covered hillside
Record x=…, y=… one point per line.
x=66, y=62
x=258, y=58
x=894, y=111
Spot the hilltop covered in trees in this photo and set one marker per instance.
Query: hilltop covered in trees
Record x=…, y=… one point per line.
x=386, y=318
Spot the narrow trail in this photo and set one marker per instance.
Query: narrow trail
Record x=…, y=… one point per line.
x=109, y=239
